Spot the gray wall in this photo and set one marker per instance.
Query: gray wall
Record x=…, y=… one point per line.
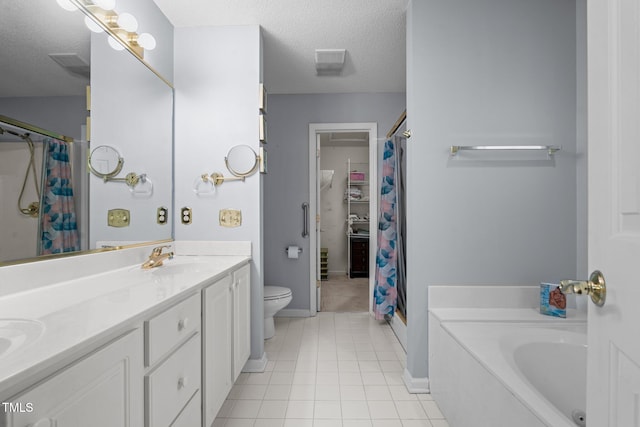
x=60, y=114
x=488, y=72
x=216, y=104
x=286, y=186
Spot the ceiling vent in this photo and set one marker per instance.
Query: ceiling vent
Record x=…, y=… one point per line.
x=329, y=62
x=72, y=63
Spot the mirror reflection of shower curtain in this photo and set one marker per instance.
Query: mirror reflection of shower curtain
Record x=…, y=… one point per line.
x=58, y=225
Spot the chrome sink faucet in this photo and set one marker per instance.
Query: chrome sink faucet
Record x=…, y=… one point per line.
x=157, y=257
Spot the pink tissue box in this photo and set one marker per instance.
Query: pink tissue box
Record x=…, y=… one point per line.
x=356, y=176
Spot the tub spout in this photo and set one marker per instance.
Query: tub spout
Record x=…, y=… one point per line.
x=595, y=287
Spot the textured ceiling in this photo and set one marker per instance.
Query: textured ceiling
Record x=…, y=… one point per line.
x=372, y=32
x=30, y=31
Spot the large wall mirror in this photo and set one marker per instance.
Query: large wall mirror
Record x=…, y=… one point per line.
x=47, y=60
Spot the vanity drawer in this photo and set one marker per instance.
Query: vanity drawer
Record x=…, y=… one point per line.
x=167, y=329
x=172, y=385
x=191, y=414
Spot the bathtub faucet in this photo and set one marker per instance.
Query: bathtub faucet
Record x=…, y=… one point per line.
x=595, y=287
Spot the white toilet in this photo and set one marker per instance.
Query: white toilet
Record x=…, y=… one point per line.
x=275, y=299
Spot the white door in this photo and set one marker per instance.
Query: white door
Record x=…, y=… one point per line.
x=318, y=231
x=613, y=376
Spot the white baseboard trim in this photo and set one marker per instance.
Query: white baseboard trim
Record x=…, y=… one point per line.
x=256, y=365
x=292, y=312
x=415, y=385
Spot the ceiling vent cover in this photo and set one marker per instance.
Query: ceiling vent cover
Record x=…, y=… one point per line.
x=330, y=61
x=72, y=63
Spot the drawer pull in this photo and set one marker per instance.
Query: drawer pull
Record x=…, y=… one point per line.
x=182, y=383
x=45, y=422
x=182, y=324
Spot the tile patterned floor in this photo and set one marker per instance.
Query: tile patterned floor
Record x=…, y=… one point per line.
x=332, y=370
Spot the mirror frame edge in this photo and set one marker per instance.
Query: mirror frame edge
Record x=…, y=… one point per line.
x=85, y=252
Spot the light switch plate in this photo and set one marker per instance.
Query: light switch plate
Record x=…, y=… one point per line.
x=118, y=218
x=230, y=217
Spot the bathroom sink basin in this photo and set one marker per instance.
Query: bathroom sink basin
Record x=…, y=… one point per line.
x=18, y=333
x=169, y=269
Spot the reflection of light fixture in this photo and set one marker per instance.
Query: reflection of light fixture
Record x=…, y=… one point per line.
x=90, y=23
x=127, y=22
x=120, y=27
x=67, y=5
x=115, y=44
x=147, y=41
x=105, y=4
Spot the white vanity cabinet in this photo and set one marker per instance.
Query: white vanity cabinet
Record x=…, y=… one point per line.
x=226, y=337
x=241, y=296
x=103, y=389
x=173, y=358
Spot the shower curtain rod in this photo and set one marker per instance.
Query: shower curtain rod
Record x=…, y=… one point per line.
x=397, y=124
x=31, y=128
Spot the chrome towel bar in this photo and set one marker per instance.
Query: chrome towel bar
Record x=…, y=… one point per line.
x=551, y=149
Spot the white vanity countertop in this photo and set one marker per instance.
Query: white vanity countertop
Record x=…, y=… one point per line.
x=76, y=313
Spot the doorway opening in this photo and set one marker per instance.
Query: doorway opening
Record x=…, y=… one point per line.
x=343, y=190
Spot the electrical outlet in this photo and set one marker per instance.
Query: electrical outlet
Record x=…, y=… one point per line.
x=186, y=215
x=118, y=218
x=163, y=215
x=230, y=217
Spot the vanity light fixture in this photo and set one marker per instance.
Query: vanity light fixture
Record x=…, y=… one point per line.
x=120, y=27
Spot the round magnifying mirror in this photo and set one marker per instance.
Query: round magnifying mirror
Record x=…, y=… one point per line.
x=105, y=162
x=241, y=160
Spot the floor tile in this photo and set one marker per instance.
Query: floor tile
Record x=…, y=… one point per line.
x=327, y=410
x=273, y=409
x=410, y=410
x=300, y=409
x=332, y=370
x=355, y=409
x=352, y=392
x=382, y=410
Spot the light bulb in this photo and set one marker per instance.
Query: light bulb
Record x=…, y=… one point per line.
x=67, y=5
x=105, y=4
x=128, y=22
x=115, y=44
x=91, y=24
x=147, y=41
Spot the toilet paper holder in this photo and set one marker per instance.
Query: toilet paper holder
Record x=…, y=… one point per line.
x=286, y=250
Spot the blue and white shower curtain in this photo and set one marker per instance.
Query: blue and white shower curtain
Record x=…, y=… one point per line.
x=59, y=230
x=390, y=277
x=385, y=290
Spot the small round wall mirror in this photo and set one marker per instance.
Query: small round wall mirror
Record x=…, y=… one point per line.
x=105, y=162
x=241, y=160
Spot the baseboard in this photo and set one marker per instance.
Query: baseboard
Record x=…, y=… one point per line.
x=256, y=365
x=292, y=312
x=415, y=385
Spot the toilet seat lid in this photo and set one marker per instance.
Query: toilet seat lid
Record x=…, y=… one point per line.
x=274, y=292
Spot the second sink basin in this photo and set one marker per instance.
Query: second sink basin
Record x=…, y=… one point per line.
x=18, y=333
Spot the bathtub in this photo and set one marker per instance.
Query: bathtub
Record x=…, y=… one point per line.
x=509, y=373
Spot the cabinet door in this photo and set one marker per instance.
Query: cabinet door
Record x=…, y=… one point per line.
x=217, y=336
x=241, y=319
x=104, y=389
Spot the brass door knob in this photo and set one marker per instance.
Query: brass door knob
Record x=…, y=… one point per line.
x=595, y=287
